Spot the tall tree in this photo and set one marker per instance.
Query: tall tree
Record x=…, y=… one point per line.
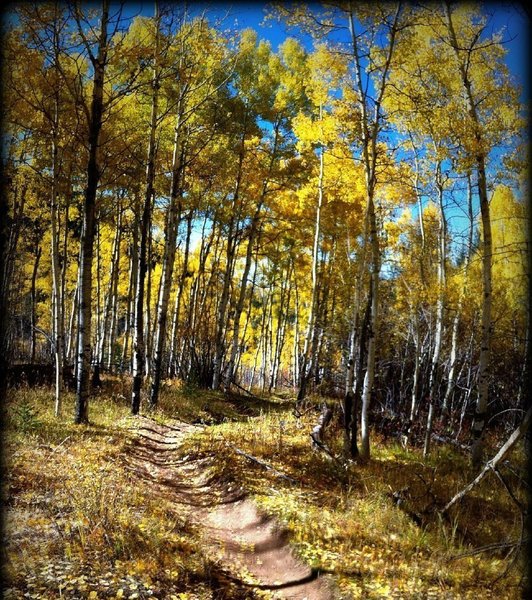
x=199, y=80
x=98, y=62
x=463, y=51
x=139, y=348
x=370, y=127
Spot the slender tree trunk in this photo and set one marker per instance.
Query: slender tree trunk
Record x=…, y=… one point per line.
x=282, y=322
x=419, y=199
x=371, y=332
x=266, y=340
x=114, y=295
x=308, y=357
x=469, y=379
x=250, y=307
x=360, y=376
x=173, y=367
x=418, y=346
x=370, y=128
x=451, y=377
x=440, y=306
x=12, y=238
x=56, y=269
x=480, y=418
x=89, y=209
x=109, y=296
x=148, y=329
x=253, y=234
x=4, y=283
x=139, y=348
x=132, y=288
x=64, y=268
x=72, y=328
x=262, y=341
x=171, y=228
x=99, y=307
x=486, y=326
x=221, y=326
x=34, y=302
x=242, y=296
x=353, y=374
x=195, y=300
x=349, y=396
x=295, y=347
x=414, y=396
x=319, y=330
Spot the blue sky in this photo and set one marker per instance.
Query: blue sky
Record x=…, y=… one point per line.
x=505, y=15
x=240, y=15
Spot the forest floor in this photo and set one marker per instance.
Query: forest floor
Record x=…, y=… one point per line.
x=248, y=541
x=220, y=497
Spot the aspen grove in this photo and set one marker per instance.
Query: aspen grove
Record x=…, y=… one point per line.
x=338, y=222
x=187, y=202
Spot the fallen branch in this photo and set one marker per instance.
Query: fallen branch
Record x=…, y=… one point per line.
x=241, y=388
x=318, y=432
x=262, y=464
x=490, y=548
x=300, y=413
x=447, y=440
x=399, y=498
x=322, y=446
x=59, y=445
x=491, y=465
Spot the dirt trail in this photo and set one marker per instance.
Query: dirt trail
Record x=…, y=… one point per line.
x=243, y=538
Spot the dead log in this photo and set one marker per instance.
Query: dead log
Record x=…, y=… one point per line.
x=318, y=432
x=491, y=465
x=263, y=464
x=447, y=440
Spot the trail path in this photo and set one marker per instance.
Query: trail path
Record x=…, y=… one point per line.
x=243, y=538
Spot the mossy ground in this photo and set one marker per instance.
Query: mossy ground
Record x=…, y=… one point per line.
x=78, y=524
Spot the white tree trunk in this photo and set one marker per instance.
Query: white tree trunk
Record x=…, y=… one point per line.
x=487, y=251
x=440, y=307
x=308, y=357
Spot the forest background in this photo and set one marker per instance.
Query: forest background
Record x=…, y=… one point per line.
x=302, y=215
x=340, y=212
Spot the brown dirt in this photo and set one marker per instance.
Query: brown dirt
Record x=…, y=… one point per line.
x=246, y=541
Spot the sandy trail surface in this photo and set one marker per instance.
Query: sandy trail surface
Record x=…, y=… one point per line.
x=244, y=539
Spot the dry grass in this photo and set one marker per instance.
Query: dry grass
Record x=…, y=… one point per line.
x=343, y=519
x=78, y=523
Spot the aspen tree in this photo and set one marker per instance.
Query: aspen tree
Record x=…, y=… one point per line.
x=199, y=80
x=453, y=358
x=479, y=423
x=45, y=27
x=440, y=305
x=98, y=62
x=370, y=127
x=139, y=348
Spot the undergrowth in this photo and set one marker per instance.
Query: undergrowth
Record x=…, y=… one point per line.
x=79, y=525
x=376, y=527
